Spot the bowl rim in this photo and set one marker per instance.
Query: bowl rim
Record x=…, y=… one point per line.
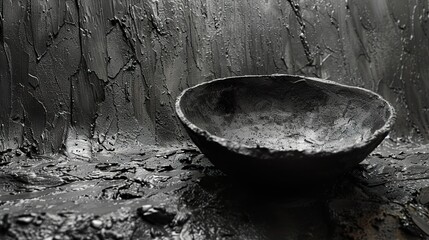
x=248, y=150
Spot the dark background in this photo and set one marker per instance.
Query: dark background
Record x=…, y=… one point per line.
x=108, y=72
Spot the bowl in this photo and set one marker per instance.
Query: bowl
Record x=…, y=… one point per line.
x=284, y=127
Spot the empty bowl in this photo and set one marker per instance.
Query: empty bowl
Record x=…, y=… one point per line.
x=282, y=126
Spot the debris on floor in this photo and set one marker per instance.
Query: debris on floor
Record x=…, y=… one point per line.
x=176, y=193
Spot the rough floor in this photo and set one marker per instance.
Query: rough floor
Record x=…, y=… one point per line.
x=175, y=193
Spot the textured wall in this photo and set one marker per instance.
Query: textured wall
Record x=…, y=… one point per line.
x=103, y=73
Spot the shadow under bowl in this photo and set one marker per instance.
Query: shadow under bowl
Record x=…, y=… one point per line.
x=284, y=127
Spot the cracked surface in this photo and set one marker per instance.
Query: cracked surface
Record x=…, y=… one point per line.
x=92, y=78
x=108, y=71
x=174, y=192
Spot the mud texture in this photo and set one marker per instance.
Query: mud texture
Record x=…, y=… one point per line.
x=175, y=193
x=282, y=125
x=79, y=76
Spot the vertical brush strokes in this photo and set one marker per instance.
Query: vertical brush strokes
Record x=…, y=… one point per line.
x=93, y=37
x=5, y=97
x=108, y=72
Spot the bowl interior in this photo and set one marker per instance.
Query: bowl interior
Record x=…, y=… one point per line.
x=284, y=112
